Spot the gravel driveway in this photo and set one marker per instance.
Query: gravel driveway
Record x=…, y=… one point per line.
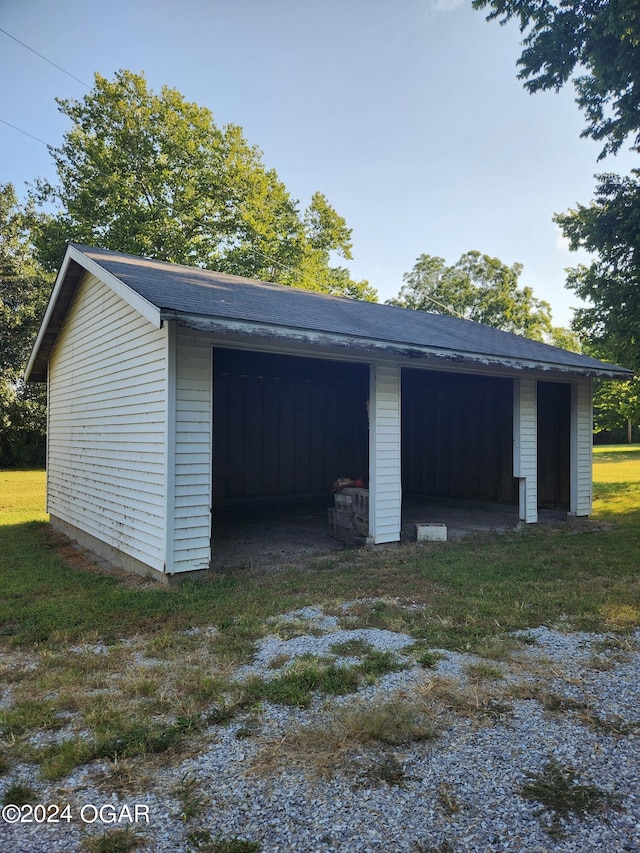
x=563, y=701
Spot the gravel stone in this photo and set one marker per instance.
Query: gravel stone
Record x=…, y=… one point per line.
x=460, y=792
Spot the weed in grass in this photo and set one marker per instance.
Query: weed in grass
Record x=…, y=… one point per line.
x=309, y=674
x=355, y=647
x=29, y=715
x=232, y=649
x=482, y=671
x=19, y=795
x=423, y=654
x=618, y=647
x=235, y=641
x=220, y=715
x=145, y=687
x=168, y=644
x=192, y=800
x=499, y=648
x=326, y=747
x=278, y=661
x=527, y=638
x=428, y=660
x=599, y=663
x=287, y=629
x=385, y=614
x=296, y=686
x=447, y=798
x=556, y=788
x=113, y=841
x=620, y=616
x=201, y=687
x=141, y=739
x=484, y=704
x=554, y=703
x=615, y=726
x=385, y=768
x=124, y=776
x=377, y=663
x=249, y=728
x=202, y=842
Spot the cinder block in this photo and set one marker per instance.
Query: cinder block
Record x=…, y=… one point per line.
x=344, y=519
x=361, y=502
x=361, y=524
x=432, y=532
x=343, y=502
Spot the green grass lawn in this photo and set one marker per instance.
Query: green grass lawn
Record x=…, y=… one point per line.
x=159, y=687
x=587, y=577
x=616, y=477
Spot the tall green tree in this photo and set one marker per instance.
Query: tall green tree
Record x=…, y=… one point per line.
x=24, y=290
x=595, y=44
x=616, y=407
x=477, y=287
x=152, y=174
x=609, y=228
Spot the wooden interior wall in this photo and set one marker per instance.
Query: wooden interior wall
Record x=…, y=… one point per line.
x=554, y=444
x=285, y=425
x=457, y=436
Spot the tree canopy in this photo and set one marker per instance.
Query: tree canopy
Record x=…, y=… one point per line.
x=152, y=174
x=24, y=290
x=616, y=407
x=477, y=287
x=598, y=39
x=596, y=45
x=609, y=228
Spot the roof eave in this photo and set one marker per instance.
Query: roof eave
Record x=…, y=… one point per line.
x=332, y=340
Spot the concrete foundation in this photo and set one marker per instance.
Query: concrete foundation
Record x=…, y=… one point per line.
x=107, y=556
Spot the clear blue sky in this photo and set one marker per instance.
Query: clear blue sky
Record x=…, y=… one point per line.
x=407, y=115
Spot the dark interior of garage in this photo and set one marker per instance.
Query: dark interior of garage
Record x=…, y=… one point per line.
x=554, y=440
x=457, y=436
x=286, y=426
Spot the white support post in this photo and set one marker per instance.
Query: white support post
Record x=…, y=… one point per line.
x=385, y=487
x=170, y=439
x=525, y=447
x=581, y=489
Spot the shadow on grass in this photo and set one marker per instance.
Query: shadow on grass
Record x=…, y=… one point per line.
x=47, y=600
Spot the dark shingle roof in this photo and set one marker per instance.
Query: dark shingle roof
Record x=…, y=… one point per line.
x=191, y=291
x=205, y=299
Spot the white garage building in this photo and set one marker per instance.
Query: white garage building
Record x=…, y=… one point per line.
x=174, y=390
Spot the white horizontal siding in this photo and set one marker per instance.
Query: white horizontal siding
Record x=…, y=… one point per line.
x=581, y=447
x=192, y=452
x=385, y=489
x=525, y=446
x=107, y=424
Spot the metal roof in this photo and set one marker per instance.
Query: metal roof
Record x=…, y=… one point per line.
x=201, y=296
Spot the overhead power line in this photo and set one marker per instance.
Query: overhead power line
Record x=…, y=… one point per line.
x=46, y=59
x=24, y=132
